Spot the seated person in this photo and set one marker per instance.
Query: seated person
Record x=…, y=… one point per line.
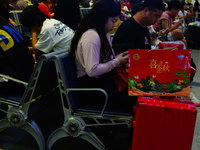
x=182, y=15
x=178, y=37
x=19, y=4
x=47, y=8
x=117, y=24
x=47, y=34
x=133, y=33
x=4, y=11
x=166, y=21
x=95, y=58
x=154, y=40
x=15, y=58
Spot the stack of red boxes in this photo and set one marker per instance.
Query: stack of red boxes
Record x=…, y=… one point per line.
x=163, y=124
x=162, y=121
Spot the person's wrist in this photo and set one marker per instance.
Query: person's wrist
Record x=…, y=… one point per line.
x=116, y=62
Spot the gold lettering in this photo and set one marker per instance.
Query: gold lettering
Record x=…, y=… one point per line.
x=160, y=67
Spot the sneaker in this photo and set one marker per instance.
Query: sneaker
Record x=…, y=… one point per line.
x=195, y=100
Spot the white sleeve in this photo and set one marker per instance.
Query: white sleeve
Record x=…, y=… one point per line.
x=91, y=56
x=45, y=42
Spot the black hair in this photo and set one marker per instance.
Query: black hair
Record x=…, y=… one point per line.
x=182, y=5
x=97, y=18
x=32, y=16
x=174, y=5
x=153, y=5
x=135, y=1
x=36, y=2
x=135, y=7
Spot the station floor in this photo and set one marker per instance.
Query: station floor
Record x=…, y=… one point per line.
x=196, y=91
x=12, y=139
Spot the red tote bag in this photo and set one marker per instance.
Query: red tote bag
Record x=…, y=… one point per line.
x=161, y=72
x=120, y=75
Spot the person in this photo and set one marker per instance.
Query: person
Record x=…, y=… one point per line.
x=178, y=37
x=48, y=34
x=135, y=6
x=47, y=8
x=133, y=32
x=19, y=4
x=15, y=58
x=117, y=24
x=4, y=11
x=190, y=14
x=94, y=57
x=16, y=61
x=125, y=8
x=196, y=9
x=154, y=40
x=68, y=12
x=166, y=21
x=36, y=2
x=182, y=15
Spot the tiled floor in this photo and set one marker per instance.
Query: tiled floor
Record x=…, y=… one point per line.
x=196, y=90
x=18, y=140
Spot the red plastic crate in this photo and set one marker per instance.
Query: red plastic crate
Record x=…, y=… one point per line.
x=163, y=124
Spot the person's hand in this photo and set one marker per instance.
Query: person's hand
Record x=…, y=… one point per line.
x=162, y=32
x=32, y=50
x=52, y=15
x=123, y=57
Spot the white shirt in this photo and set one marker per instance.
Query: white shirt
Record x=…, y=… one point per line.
x=180, y=13
x=184, y=13
x=54, y=36
x=88, y=56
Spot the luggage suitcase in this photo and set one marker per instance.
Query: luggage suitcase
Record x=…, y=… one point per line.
x=163, y=125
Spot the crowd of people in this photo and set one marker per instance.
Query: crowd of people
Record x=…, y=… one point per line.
x=57, y=25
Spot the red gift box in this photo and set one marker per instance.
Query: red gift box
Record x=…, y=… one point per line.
x=170, y=45
x=162, y=72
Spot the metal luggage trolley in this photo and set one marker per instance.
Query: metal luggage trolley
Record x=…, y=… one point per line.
x=75, y=113
x=18, y=113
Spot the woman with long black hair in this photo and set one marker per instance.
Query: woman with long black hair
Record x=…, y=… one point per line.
x=94, y=56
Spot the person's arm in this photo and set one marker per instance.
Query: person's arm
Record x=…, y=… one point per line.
x=91, y=56
x=175, y=26
x=181, y=17
x=164, y=25
x=12, y=22
x=34, y=41
x=35, y=30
